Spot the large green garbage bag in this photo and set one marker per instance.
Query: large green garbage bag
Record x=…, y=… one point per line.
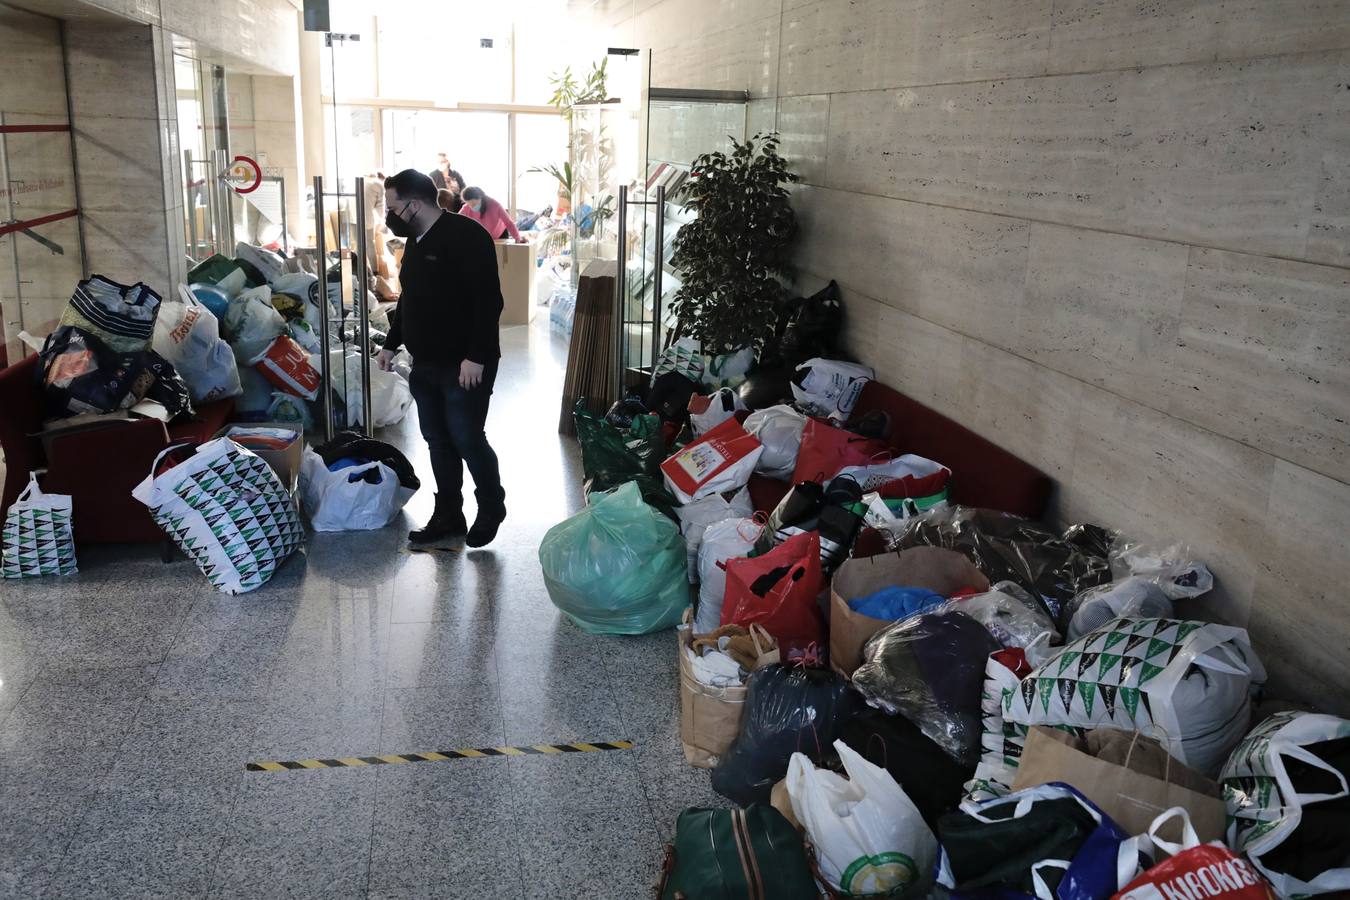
x=221, y=271
x=618, y=566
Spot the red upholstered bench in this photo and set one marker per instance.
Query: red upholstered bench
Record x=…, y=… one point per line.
x=983, y=473
x=97, y=467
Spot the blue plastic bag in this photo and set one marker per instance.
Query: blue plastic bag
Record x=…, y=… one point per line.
x=618, y=566
x=895, y=603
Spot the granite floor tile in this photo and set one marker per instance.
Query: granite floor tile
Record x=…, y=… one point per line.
x=543, y=710
x=444, y=830
x=231, y=664
x=610, y=855
x=423, y=654
x=298, y=834
x=641, y=654
x=196, y=744
x=578, y=782
x=419, y=720
x=309, y=725
x=155, y=844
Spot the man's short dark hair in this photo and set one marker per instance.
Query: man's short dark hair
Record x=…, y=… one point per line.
x=411, y=184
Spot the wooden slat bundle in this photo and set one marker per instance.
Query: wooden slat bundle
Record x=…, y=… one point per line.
x=591, y=355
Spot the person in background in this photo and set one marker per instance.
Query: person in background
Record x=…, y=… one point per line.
x=448, y=315
x=449, y=201
x=488, y=213
x=445, y=177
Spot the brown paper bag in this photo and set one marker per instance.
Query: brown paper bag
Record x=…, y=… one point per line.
x=710, y=717
x=779, y=800
x=933, y=568
x=1131, y=797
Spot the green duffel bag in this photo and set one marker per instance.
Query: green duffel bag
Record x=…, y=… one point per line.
x=737, y=854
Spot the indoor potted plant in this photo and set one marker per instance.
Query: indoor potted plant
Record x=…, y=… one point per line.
x=733, y=258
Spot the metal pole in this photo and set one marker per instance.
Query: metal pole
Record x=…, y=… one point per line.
x=620, y=289
x=285, y=229
x=325, y=367
x=190, y=201
x=367, y=425
x=659, y=256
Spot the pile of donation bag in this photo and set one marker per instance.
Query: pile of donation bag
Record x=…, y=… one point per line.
x=246, y=329
x=905, y=697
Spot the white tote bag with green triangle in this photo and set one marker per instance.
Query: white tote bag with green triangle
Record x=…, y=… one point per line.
x=227, y=510
x=37, y=537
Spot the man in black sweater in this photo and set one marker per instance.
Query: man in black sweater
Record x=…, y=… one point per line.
x=448, y=310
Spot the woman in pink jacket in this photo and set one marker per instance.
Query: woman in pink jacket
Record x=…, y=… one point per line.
x=488, y=213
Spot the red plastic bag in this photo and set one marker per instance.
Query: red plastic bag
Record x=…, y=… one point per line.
x=778, y=591
x=721, y=460
x=825, y=450
x=286, y=365
x=1195, y=871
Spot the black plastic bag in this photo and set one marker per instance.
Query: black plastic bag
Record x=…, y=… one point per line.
x=351, y=444
x=813, y=327
x=930, y=669
x=669, y=396
x=788, y=709
x=623, y=412
x=931, y=778
x=1009, y=548
x=169, y=390
x=765, y=387
x=653, y=492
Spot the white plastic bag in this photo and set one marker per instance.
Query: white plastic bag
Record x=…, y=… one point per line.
x=390, y=397
x=779, y=429
x=227, y=510
x=1264, y=804
x=728, y=370
x=876, y=475
x=346, y=500
x=188, y=336
x=684, y=356
x=1173, y=568
x=697, y=516
x=829, y=387
x=252, y=323
x=37, y=537
x=721, y=405
x=270, y=264
x=869, y=836
x=724, y=540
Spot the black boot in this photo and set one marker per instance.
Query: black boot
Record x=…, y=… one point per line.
x=485, y=525
x=445, y=525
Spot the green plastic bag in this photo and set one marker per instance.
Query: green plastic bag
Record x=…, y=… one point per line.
x=216, y=269
x=609, y=457
x=618, y=566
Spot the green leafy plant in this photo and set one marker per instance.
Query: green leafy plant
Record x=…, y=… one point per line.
x=563, y=175
x=733, y=258
x=568, y=92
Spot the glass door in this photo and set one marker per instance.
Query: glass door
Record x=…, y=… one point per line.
x=41, y=253
x=203, y=134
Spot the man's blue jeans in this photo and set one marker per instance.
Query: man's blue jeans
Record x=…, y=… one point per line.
x=452, y=421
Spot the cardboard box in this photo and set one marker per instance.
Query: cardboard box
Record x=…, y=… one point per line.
x=286, y=463
x=516, y=265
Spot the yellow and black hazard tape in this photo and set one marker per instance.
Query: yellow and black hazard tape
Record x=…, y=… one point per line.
x=438, y=756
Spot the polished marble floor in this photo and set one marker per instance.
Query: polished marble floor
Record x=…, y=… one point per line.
x=133, y=694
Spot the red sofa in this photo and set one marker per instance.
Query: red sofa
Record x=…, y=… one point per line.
x=97, y=467
x=983, y=473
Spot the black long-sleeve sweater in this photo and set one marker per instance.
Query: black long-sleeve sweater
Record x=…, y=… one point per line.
x=451, y=296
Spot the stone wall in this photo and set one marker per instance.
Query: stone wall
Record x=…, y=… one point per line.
x=1114, y=237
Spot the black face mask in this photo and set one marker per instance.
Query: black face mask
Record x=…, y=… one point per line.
x=395, y=224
